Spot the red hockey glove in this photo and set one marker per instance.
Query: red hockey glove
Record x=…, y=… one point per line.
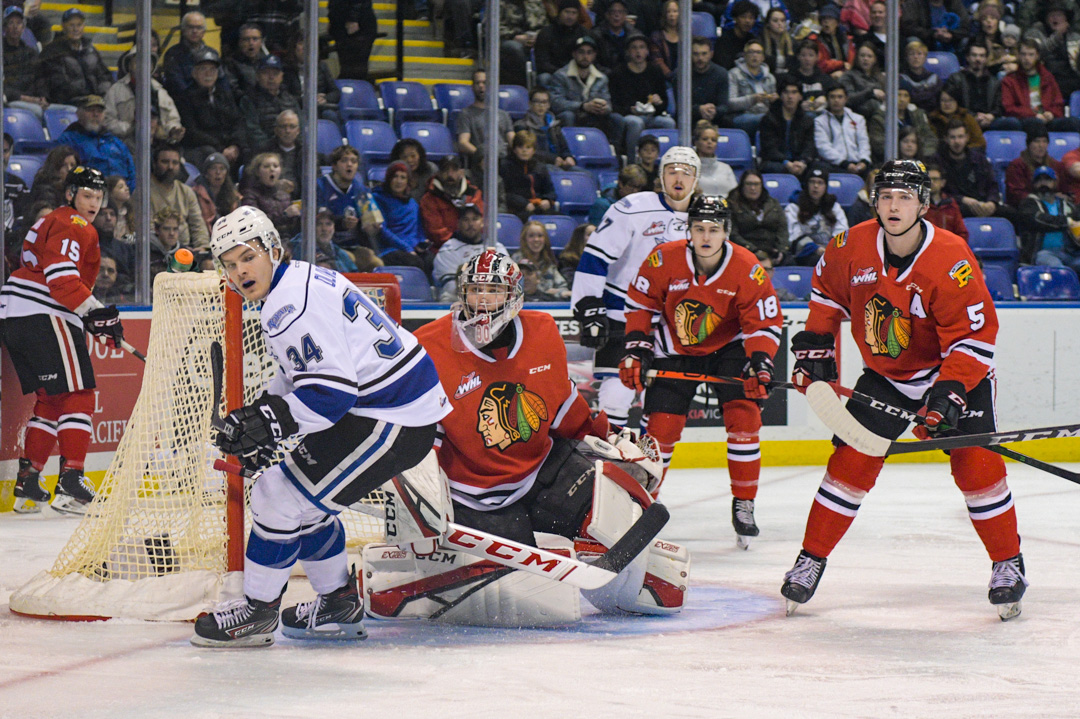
x=757, y=376
x=634, y=366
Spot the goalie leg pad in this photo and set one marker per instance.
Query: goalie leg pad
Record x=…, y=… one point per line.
x=418, y=506
x=655, y=583
x=451, y=587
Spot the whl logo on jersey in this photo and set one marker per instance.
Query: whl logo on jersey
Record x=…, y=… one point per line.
x=695, y=321
x=509, y=413
x=888, y=332
x=467, y=384
x=865, y=276
x=656, y=228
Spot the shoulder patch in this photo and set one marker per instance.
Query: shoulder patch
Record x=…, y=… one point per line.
x=624, y=202
x=79, y=221
x=841, y=239
x=758, y=274
x=279, y=316
x=655, y=259
x=961, y=272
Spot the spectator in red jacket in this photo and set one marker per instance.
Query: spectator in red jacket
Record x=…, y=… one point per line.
x=944, y=211
x=1019, y=172
x=1031, y=94
x=447, y=193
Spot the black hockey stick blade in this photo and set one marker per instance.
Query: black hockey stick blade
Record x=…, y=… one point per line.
x=127, y=347
x=640, y=535
x=217, y=372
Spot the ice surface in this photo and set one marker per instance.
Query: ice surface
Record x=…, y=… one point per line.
x=900, y=627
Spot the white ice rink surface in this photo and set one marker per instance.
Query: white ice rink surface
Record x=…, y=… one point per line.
x=900, y=627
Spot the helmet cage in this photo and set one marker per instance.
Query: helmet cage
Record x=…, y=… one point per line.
x=481, y=325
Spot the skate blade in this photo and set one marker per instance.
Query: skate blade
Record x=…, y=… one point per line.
x=340, y=632
x=26, y=506
x=792, y=606
x=1009, y=611
x=68, y=506
x=254, y=640
x=742, y=541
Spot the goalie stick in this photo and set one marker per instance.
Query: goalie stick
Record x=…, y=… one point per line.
x=826, y=405
x=533, y=560
x=877, y=404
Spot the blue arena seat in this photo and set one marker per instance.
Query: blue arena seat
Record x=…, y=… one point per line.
x=450, y=97
x=328, y=137
x=57, y=119
x=559, y=228
x=434, y=136
x=942, y=64
x=407, y=101
x=795, y=280
x=359, y=101
x=666, y=138
x=1062, y=142
x=514, y=99
x=999, y=282
x=590, y=147
x=846, y=187
x=1002, y=147
x=1047, y=283
x=376, y=171
x=192, y=173
x=575, y=191
x=509, y=230
x=413, y=282
x=373, y=139
x=733, y=147
x=25, y=129
x=604, y=178
x=25, y=167
x=702, y=24
x=993, y=239
x=1074, y=104
x=781, y=186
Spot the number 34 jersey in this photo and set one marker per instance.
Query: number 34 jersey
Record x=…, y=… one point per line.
x=933, y=320
x=339, y=352
x=689, y=314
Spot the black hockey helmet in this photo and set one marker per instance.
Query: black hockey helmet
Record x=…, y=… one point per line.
x=710, y=208
x=905, y=175
x=87, y=177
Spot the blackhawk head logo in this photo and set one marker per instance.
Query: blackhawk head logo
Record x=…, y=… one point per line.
x=888, y=332
x=694, y=321
x=509, y=413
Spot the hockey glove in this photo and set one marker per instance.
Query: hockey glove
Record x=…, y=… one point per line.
x=591, y=315
x=945, y=404
x=104, y=322
x=635, y=363
x=757, y=376
x=815, y=358
x=252, y=433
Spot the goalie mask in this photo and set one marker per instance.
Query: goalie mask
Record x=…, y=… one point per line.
x=681, y=155
x=490, y=293
x=243, y=227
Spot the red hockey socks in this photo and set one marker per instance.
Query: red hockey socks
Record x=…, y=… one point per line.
x=666, y=429
x=742, y=419
x=980, y=475
x=41, y=430
x=849, y=476
x=73, y=427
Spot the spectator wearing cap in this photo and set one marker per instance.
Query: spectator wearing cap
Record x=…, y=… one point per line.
x=581, y=96
x=840, y=134
x=520, y=22
x=212, y=120
x=181, y=57
x=466, y=243
x=95, y=146
x=836, y=51
x=944, y=210
x=613, y=33
x=787, y=132
x=402, y=240
x=923, y=85
x=166, y=190
x=751, y=88
x=708, y=83
x=241, y=66
x=20, y=65
x=1060, y=44
x=342, y=193
x=639, y=92
x=975, y=89
x=16, y=192
x=266, y=101
x=1048, y=217
x=1019, y=172
x=70, y=67
x=120, y=107
x=214, y=189
x=648, y=159
x=1031, y=94
x=813, y=218
x=446, y=193
x=324, y=244
x=472, y=126
x=555, y=42
x=940, y=24
x=744, y=15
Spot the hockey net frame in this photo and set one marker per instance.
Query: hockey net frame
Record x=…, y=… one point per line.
x=164, y=539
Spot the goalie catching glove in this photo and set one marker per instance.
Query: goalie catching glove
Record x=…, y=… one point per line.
x=815, y=358
x=252, y=433
x=945, y=405
x=634, y=366
x=758, y=376
x=104, y=323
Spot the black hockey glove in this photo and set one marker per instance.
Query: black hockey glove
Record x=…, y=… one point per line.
x=104, y=322
x=634, y=366
x=757, y=376
x=815, y=358
x=592, y=318
x=945, y=404
x=252, y=433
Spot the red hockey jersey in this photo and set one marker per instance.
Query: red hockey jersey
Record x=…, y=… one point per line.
x=493, y=442
x=60, y=260
x=934, y=319
x=693, y=315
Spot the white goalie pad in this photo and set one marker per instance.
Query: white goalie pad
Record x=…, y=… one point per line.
x=623, y=447
x=418, y=507
x=656, y=582
x=455, y=588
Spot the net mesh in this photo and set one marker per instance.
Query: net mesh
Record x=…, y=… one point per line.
x=161, y=507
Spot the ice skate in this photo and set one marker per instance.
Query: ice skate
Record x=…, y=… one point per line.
x=240, y=623
x=337, y=615
x=30, y=495
x=1007, y=586
x=742, y=518
x=801, y=581
x=73, y=492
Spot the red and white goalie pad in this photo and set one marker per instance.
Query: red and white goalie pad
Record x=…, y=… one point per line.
x=418, y=507
x=456, y=588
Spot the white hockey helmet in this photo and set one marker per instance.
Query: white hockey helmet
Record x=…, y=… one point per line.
x=480, y=325
x=242, y=227
x=681, y=155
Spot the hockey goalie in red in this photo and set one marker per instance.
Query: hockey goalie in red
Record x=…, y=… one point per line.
x=48, y=308
x=705, y=306
x=925, y=325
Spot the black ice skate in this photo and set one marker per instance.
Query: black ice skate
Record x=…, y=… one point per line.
x=73, y=492
x=801, y=582
x=1007, y=586
x=742, y=518
x=28, y=488
x=240, y=623
x=337, y=615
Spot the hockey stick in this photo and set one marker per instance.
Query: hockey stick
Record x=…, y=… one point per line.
x=529, y=559
x=889, y=409
x=217, y=372
x=124, y=345
x=826, y=405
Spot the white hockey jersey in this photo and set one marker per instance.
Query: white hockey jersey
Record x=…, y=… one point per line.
x=630, y=230
x=338, y=352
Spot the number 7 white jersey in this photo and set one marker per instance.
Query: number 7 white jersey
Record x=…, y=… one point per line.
x=630, y=230
x=338, y=352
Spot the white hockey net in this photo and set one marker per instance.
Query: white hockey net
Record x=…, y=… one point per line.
x=154, y=544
